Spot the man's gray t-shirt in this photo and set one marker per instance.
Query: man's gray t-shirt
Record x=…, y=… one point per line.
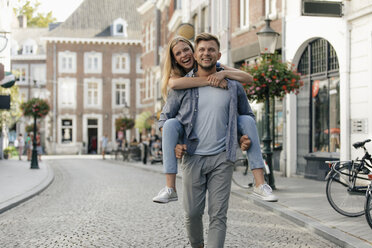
x=212, y=120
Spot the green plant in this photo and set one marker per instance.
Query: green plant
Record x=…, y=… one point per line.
x=271, y=74
x=35, y=107
x=29, y=128
x=10, y=150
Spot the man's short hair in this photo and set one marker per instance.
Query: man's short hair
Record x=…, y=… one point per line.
x=206, y=37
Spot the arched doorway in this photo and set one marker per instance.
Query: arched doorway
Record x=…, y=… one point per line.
x=318, y=104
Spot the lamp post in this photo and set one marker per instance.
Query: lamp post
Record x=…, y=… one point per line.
x=34, y=162
x=267, y=39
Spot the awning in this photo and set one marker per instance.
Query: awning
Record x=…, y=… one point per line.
x=143, y=121
x=8, y=80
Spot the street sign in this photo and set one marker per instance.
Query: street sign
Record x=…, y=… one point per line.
x=4, y=102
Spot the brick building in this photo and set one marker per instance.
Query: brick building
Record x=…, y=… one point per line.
x=93, y=69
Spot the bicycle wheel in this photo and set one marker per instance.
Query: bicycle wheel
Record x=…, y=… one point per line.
x=339, y=194
x=242, y=176
x=368, y=208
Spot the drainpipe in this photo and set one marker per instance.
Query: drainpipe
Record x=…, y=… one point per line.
x=54, y=98
x=345, y=103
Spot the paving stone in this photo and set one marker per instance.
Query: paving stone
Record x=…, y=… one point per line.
x=95, y=203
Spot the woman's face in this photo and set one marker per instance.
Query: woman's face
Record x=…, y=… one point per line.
x=184, y=56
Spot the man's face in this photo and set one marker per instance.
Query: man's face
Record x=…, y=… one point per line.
x=183, y=55
x=207, y=54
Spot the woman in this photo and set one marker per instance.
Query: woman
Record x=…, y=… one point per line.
x=179, y=61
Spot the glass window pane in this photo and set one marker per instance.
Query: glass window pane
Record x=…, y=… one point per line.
x=334, y=114
x=320, y=116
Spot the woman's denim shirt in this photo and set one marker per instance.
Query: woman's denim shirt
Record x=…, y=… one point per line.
x=183, y=105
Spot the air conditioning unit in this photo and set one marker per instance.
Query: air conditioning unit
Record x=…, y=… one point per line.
x=322, y=8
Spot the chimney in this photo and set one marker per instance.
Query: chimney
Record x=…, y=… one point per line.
x=22, y=19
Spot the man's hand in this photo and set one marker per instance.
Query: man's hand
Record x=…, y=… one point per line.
x=245, y=143
x=180, y=150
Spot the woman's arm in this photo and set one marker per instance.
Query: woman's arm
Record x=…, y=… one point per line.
x=231, y=73
x=177, y=83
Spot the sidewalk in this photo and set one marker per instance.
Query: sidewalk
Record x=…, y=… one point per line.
x=301, y=200
x=18, y=182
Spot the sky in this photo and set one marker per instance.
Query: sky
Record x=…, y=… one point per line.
x=61, y=9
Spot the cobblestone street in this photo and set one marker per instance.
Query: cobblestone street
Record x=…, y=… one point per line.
x=96, y=203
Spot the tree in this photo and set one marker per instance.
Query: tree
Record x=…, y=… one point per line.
x=29, y=8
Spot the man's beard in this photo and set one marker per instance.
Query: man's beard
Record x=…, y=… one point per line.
x=208, y=68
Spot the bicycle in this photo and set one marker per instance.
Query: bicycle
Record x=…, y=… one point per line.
x=242, y=175
x=368, y=205
x=347, y=183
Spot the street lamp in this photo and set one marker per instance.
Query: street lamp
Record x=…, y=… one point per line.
x=267, y=39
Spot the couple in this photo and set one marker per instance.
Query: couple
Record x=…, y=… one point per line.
x=208, y=119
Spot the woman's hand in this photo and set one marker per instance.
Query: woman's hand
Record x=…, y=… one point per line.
x=217, y=80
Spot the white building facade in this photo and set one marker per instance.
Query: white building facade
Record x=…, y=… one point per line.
x=334, y=56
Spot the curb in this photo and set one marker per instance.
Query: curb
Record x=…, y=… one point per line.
x=334, y=235
x=15, y=201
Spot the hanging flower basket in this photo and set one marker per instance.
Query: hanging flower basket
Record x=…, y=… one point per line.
x=35, y=107
x=271, y=74
x=124, y=124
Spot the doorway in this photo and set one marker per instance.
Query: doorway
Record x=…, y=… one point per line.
x=92, y=136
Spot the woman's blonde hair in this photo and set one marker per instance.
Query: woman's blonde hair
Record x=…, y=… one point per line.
x=170, y=66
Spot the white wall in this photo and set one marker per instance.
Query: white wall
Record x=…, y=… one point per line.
x=299, y=31
x=360, y=19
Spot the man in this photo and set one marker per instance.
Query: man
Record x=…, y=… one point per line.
x=209, y=116
x=104, y=143
x=20, y=144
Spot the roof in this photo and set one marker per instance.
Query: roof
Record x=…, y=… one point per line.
x=93, y=18
x=21, y=35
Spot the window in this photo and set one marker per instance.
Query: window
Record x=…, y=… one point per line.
x=195, y=20
x=119, y=28
x=121, y=63
x=38, y=74
x=67, y=62
x=22, y=70
x=29, y=47
x=177, y=4
x=319, y=67
x=93, y=62
x=270, y=9
x=66, y=131
x=93, y=92
x=139, y=68
x=152, y=40
x=244, y=14
x=326, y=115
x=147, y=38
x=148, y=89
x=204, y=25
x=121, y=92
x=67, y=93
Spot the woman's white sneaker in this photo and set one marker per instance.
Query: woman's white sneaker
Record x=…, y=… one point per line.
x=265, y=192
x=166, y=195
